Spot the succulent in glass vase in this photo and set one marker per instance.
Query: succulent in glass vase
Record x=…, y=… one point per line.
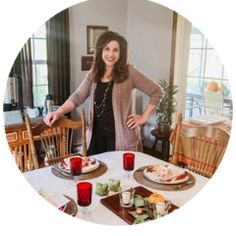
x=102, y=189
x=167, y=106
x=114, y=185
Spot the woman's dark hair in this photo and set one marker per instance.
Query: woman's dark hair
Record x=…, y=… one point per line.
x=120, y=71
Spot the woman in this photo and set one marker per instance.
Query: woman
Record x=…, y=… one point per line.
x=109, y=85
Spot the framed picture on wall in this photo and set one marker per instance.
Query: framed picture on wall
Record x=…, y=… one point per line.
x=93, y=31
x=86, y=63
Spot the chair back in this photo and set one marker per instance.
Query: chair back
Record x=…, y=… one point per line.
x=200, y=149
x=21, y=154
x=58, y=140
x=213, y=103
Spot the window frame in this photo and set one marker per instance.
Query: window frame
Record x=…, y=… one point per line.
x=36, y=62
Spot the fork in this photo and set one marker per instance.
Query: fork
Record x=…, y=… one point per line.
x=184, y=184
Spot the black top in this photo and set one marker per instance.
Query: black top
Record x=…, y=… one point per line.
x=103, y=111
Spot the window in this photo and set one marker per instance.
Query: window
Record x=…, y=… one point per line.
x=39, y=61
x=204, y=67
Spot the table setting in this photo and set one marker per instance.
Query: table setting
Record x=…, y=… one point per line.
x=91, y=168
x=105, y=194
x=61, y=202
x=164, y=177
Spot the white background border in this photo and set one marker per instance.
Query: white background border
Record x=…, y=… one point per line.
x=23, y=212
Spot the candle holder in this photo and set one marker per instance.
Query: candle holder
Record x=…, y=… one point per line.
x=84, y=196
x=126, y=196
x=128, y=163
x=76, y=168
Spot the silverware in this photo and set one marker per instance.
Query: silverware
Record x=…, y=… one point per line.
x=184, y=184
x=101, y=163
x=56, y=168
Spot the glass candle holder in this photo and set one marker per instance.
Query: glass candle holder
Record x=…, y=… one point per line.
x=76, y=167
x=126, y=196
x=128, y=162
x=84, y=195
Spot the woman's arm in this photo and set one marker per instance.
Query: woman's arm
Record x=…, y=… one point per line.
x=150, y=88
x=75, y=99
x=135, y=120
x=51, y=117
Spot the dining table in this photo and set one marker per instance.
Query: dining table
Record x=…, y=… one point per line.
x=45, y=180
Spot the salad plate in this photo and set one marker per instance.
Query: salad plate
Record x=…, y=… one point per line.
x=166, y=174
x=88, y=165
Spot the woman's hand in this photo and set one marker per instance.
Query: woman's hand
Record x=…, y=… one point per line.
x=135, y=121
x=51, y=117
x=139, y=120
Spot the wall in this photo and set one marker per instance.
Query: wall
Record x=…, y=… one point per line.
x=149, y=32
x=110, y=13
x=147, y=27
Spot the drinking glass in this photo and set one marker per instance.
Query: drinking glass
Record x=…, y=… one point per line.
x=128, y=162
x=76, y=167
x=126, y=196
x=84, y=196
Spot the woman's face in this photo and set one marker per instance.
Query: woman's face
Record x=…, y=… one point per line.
x=111, y=53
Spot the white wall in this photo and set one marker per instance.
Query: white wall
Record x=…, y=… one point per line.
x=149, y=33
x=110, y=13
x=147, y=26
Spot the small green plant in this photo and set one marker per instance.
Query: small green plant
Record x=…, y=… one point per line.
x=167, y=105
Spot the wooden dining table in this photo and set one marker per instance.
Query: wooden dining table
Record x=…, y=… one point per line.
x=44, y=180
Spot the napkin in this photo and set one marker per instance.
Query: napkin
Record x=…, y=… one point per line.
x=56, y=199
x=168, y=172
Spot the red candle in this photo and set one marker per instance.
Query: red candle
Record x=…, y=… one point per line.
x=128, y=161
x=84, y=193
x=75, y=166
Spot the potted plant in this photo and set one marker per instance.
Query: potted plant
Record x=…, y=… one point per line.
x=166, y=107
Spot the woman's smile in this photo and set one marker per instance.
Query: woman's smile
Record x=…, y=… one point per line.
x=111, y=53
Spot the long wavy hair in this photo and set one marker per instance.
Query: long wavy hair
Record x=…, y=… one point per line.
x=120, y=70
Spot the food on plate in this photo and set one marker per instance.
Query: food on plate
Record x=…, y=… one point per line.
x=156, y=198
x=88, y=161
x=163, y=172
x=88, y=164
x=85, y=162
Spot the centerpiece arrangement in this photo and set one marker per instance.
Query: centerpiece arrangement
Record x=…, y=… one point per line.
x=133, y=205
x=149, y=208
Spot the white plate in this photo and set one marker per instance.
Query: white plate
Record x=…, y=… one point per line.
x=175, y=175
x=66, y=166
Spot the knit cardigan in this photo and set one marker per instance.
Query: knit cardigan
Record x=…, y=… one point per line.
x=123, y=102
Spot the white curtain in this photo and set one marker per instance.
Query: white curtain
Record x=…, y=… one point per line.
x=183, y=33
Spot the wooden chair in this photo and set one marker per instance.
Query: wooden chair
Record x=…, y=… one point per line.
x=199, y=149
x=22, y=156
x=57, y=141
x=18, y=141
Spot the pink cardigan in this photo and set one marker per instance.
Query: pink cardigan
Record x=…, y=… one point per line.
x=123, y=101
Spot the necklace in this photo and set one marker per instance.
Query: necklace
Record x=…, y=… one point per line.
x=99, y=109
